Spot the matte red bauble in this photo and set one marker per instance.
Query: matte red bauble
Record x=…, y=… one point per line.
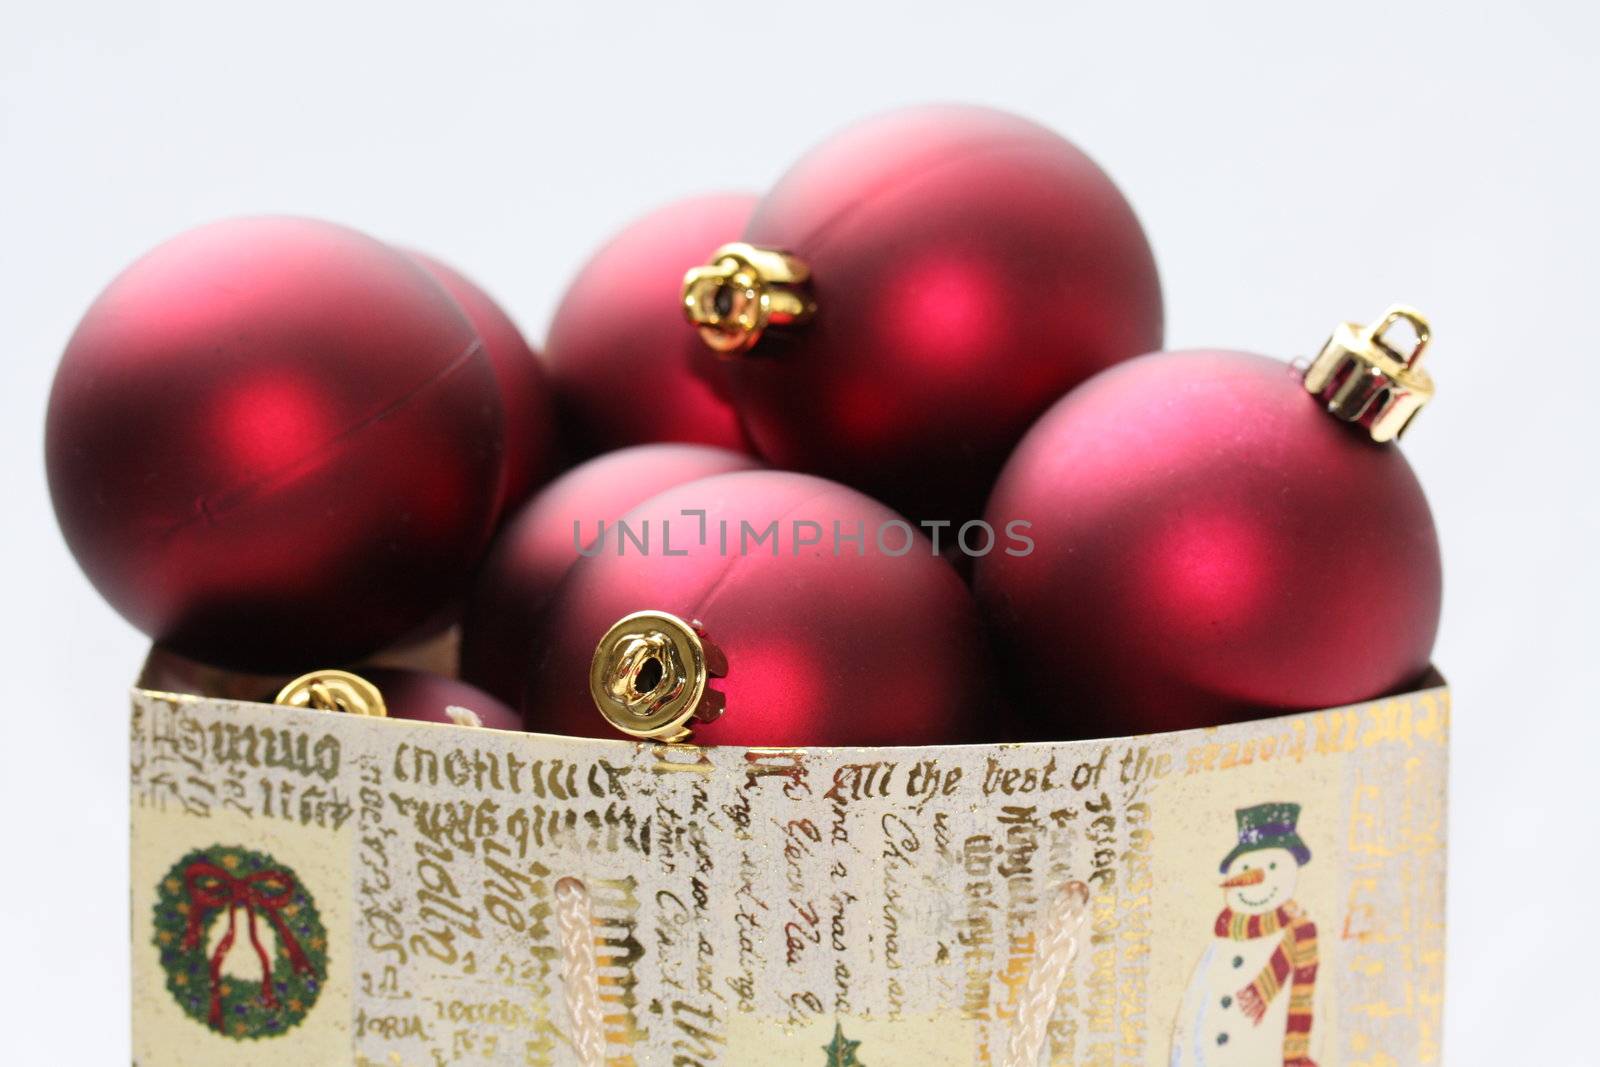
x=524, y=386
x=625, y=368
x=946, y=273
x=807, y=614
x=423, y=697
x=1208, y=544
x=274, y=443
x=538, y=546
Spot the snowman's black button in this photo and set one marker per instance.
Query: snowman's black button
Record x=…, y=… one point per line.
x=1222, y=1039
x=1227, y=1002
x=1238, y=961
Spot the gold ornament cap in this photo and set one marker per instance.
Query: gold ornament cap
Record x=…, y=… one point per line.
x=330, y=690
x=743, y=291
x=1364, y=379
x=650, y=674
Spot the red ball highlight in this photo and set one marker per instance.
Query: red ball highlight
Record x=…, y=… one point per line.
x=1210, y=545
x=968, y=268
x=274, y=443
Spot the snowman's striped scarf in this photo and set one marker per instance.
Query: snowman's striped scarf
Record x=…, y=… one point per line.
x=1294, y=962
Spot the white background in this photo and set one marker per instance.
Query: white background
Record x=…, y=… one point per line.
x=1293, y=168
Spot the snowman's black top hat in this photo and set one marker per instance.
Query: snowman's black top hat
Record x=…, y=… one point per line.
x=1268, y=826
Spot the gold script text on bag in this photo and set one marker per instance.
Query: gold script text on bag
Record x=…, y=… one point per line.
x=1364, y=379
x=331, y=690
x=744, y=290
x=649, y=676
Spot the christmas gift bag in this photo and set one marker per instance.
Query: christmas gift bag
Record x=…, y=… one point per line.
x=310, y=887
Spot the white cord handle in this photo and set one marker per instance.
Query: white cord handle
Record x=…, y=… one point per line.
x=1058, y=947
x=580, y=975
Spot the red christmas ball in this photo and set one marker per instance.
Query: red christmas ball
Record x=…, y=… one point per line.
x=423, y=697
x=1209, y=544
x=968, y=267
x=537, y=547
x=826, y=618
x=626, y=370
x=274, y=443
x=524, y=389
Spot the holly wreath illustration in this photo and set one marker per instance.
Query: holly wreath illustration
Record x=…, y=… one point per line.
x=220, y=902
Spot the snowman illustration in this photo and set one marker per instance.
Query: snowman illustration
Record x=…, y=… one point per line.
x=1249, y=1003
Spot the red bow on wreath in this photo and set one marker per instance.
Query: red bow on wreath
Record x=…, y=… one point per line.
x=210, y=887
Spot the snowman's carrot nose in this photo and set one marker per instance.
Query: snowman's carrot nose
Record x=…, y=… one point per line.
x=1253, y=876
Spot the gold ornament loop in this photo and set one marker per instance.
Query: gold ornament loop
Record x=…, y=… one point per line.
x=743, y=291
x=1364, y=379
x=331, y=690
x=649, y=676
x=1419, y=326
